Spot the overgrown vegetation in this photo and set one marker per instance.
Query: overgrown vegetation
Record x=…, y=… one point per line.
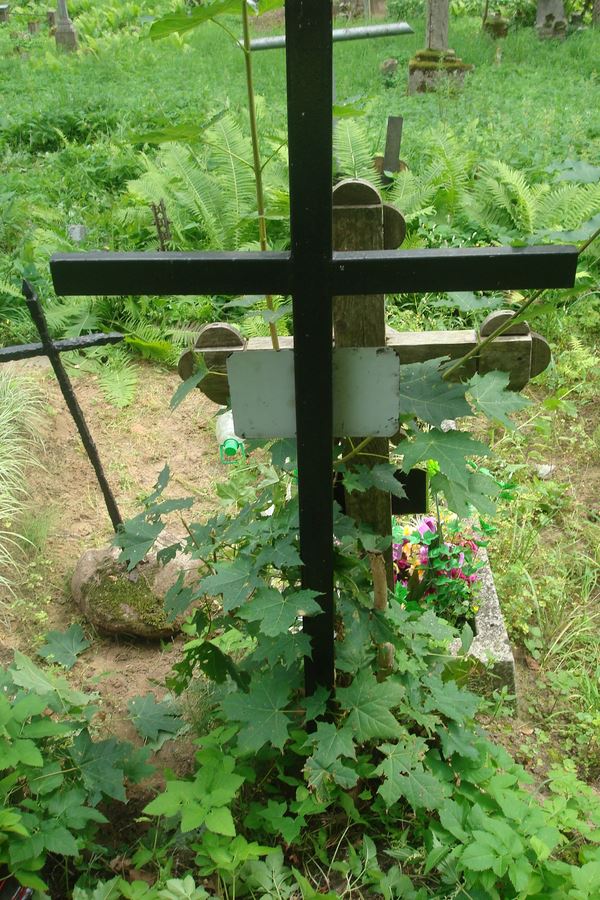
x=398, y=793
x=20, y=407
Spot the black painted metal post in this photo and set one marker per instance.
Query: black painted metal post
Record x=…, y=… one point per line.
x=37, y=314
x=309, y=86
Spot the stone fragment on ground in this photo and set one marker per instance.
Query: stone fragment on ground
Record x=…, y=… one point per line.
x=119, y=602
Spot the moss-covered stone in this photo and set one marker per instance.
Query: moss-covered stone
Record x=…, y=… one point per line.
x=116, y=596
x=428, y=68
x=116, y=601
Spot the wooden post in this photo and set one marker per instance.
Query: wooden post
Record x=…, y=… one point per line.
x=360, y=322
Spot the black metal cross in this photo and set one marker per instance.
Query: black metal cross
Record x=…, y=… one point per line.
x=313, y=274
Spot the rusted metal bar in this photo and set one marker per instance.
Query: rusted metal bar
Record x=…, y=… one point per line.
x=37, y=314
x=27, y=351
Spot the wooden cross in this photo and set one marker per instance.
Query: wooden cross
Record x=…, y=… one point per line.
x=313, y=274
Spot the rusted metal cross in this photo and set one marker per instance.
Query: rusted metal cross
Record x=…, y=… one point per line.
x=312, y=274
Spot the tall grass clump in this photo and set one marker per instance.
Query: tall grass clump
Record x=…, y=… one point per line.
x=20, y=418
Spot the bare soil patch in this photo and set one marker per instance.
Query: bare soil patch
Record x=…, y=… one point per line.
x=134, y=444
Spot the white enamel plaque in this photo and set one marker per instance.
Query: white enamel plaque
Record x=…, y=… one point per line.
x=366, y=392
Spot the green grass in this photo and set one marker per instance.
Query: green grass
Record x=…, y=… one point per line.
x=20, y=407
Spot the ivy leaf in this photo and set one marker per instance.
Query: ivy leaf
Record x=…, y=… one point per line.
x=201, y=370
x=64, y=647
x=277, y=612
x=181, y=22
x=424, y=393
x=491, y=397
x=150, y=717
x=370, y=703
x=478, y=493
x=136, y=538
x=232, y=580
x=448, y=448
x=262, y=711
x=405, y=776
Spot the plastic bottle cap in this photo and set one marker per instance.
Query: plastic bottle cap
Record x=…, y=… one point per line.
x=230, y=446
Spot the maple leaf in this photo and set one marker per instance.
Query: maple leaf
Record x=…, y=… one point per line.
x=101, y=766
x=453, y=702
x=478, y=493
x=136, y=538
x=382, y=476
x=232, y=580
x=262, y=709
x=150, y=717
x=277, y=612
x=448, y=448
x=405, y=776
x=318, y=773
x=370, y=703
x=491, y=397
x=426, y=394
x=282, y=555
x=26, y=674
x=64, y=647
x=331, y=742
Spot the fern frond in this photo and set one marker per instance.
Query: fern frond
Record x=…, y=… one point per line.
x=118, y=380
x=567, y=206
x=353, y=152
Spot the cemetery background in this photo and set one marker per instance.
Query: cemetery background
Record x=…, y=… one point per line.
x=570, y=131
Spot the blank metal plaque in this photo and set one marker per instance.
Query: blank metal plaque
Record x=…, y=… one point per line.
x=366, y=392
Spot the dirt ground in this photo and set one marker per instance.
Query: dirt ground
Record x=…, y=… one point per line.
x=68, y=512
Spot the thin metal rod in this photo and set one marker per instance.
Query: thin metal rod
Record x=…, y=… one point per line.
x=37, y=314
x=339, y=34
x=28, y=351
x=309, y=86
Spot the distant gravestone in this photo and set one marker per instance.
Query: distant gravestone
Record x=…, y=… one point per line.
x=33, y=27
x=437, y=62
x=551, y=21
x=496, y=26
x=51, y=20
x=65, y=34
x=4, y=12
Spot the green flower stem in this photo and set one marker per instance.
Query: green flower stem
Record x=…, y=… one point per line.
x=260, y=197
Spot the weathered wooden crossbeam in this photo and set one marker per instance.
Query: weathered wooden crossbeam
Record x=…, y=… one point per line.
x=27, y=351
x=357, y=272
x=520, y=352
